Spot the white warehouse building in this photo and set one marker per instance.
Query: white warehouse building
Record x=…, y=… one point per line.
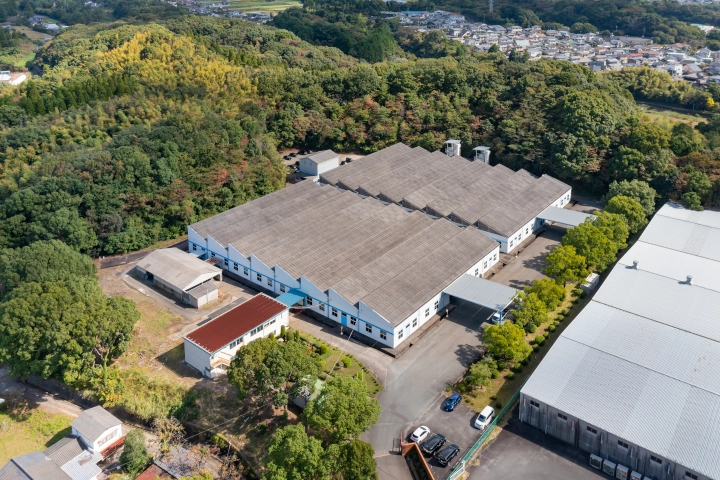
x=371, y=264
x=635, y=379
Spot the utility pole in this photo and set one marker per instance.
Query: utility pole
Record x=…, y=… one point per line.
x=490, y=5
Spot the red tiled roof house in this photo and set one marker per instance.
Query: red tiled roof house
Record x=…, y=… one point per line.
x=211, y=347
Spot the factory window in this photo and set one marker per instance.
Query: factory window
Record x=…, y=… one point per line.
x=246, y=271
x=477, y=272
x=495, y=258
x=212, y=255
x=334, y=312
x=254, y=331
x=622, y=444
x=690, y=475
x=235, y=266
x=562, y=417
x=353, y=321
x=512, y=242
x=427, y=312
x=656, y=459
x=282, y=288
x=309, y=301
x=259, y=277
x=591, y=430
x=484, y=264
x=269, y=283
x=414, y=322
x=194, y=247
x=527, y=230
x=225, y=262
x=535, y=404
x=437, y=303
x=383, y=335
x=368, y=328
x=400, y=334
x=233, y=343
x=270, y=322
x=322, y=306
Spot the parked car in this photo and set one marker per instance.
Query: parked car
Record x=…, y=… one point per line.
x=447, y=454
x=295, y=169
x=348, y=159
x=304, y=152
x=294, y=154
x=485, y=417
x=452, y=402
x=433, y=444
x=287, y=157
x=343, y=162
x=495, y=317
x=419, y=434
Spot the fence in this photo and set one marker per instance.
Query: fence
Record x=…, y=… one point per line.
x=460, y=468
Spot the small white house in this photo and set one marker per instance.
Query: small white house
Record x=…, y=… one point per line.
x=99, y=429
x=319, y=163
x=211, y=347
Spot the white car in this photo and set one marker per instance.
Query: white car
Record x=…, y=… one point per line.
x=419, y=434
x=484, y=418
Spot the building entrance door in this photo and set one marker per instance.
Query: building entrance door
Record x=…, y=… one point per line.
x=343, y=319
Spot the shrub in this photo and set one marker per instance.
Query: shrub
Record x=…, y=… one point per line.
x=347, y=362
x=498, y=405
x=510, y=376
x=582, y=293
x=565, y=311
x=525, y=361
x=539, y=340
x=576, y=300
x=261, y=428
x=501, y=366
x=322, y=376
x=271, y=336
x=494, y=374
x=134, y=456
x=578, y=292
x=551, y=328
x=536, y=348
x=518, y=369
x=219, y=441
x=324, y=349
x=493, y=397
x=461, y=387
x=297, y=335
x=532, y=328
x=283, y=331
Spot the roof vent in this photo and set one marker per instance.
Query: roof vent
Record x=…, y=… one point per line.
x=482, y=154
x=689, y=280
x=635, y=264
x=452, y=148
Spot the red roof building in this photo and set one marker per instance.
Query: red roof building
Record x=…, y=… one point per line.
x=210, y=347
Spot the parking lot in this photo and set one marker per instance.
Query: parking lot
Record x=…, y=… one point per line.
x=521, y=452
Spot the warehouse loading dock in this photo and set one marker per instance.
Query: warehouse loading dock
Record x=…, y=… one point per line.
x=482, y=292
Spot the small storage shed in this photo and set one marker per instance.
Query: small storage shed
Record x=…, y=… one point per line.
x=182, y=275
x=319, y=163
x=211, y=347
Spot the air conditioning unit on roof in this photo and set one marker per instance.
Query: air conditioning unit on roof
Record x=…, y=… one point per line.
x=635, y=476
x=609, y=467
x=622, y=472
x=595, y=462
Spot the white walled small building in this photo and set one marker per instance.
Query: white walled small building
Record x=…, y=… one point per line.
x=211, y=347
x=99, y=429
x=319, y=163
x=182, y=275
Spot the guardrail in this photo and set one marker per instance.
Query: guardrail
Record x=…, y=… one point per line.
x=460, y=467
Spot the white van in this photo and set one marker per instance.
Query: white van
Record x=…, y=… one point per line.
x=484, y=418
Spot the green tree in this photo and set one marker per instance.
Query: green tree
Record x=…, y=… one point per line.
x=343, y=410
x=293, y=455
x=635, y=189
x=548, y=291
x=692, y=201
x=565, y=264
x=479, y=374
x=593, y=244
x=506, y=342
x=583, y=27
x=134, y=456
x=648, y=138
x=531, y=310
x=355, y=461
x=614, y=227
x=626, y=163
x=630, y=209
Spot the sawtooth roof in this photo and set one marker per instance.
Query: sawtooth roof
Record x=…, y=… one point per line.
x=495, y=199
x=382, y=255
x=647, y=340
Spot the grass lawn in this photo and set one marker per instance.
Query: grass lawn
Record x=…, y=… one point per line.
x=660, y=116
x=18, y=56
x=27, y=431
x=261, y=5
x=502, y=388
x=30, y=33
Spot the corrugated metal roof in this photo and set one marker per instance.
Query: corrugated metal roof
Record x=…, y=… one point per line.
x=177, y=267
x=683, y=236
x=32, y=466
x=66, y=449
x=235, y=323
x=94, y=422
x=647, y=342
x=322, y=157
x=482, y=292
x=564, y=216
x=291, y=297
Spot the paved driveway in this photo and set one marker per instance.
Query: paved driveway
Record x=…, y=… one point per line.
x=523, y=452
x=415, y=387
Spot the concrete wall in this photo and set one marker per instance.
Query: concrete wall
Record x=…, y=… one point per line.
x=196, y=357
x=593, y=440
x=308, y=166
x=108, y=437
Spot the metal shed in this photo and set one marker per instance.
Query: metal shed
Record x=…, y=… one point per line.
x=482, y=292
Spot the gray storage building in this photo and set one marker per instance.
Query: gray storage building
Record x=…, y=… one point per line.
x=635, y=379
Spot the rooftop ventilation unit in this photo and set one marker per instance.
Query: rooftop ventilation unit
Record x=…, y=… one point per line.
x=635, y=264
x=689, y=280
x=452, y=148
x=482, y=154
x=635, y=476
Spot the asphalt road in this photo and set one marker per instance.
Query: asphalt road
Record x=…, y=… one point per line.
x=523, y=452
x=415, y=386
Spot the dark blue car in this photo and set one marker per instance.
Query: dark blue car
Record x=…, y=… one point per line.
x=452, y=402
